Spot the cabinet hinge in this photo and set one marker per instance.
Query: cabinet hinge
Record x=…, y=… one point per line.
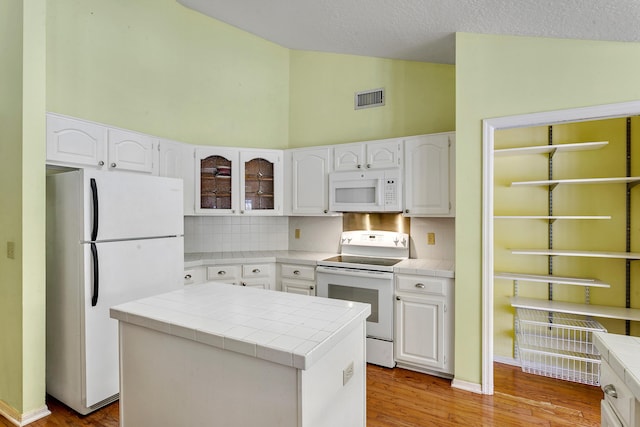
x=445, y=308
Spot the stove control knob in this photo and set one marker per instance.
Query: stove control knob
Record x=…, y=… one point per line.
x=404, y=242
x=396, y=241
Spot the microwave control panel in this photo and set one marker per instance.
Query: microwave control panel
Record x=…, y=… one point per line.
x=390, y=192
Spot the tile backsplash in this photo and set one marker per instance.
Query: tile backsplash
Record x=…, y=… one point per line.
x=235, y=233
x=317, y=234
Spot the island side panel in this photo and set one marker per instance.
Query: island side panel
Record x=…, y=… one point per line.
x=166, y=380
x=325, y=400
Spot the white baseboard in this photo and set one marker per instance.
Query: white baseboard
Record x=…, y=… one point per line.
x=466, y=385
x=507, y=360
x=19, y=419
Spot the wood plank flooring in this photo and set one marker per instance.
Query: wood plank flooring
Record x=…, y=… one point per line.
x=401, y=398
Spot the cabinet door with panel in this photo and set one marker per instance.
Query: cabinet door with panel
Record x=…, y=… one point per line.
x=261, y=186
x=309, y=181
x=298, y=279
x=424, y=323
x=131, y=151
x=75, y=142
x=427, y=175
x=176, y=161
x=216, y=180
x=384, y=153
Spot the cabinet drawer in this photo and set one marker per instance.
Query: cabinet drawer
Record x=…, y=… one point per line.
x=223, y=272
x=256, y=270
x=625, y=404
x=303, y=272
x=422, y=284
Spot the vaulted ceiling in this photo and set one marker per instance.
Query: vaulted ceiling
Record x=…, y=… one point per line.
x=420, y=30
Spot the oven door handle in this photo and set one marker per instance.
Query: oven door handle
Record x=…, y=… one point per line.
x=338, y=271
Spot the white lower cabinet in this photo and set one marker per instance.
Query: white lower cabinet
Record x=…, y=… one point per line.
x=424, y=324
x=619, y=406
x=195, y=275
x=298, y=279
x=252, y=275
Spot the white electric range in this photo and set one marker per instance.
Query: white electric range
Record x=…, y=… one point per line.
x=363, y=272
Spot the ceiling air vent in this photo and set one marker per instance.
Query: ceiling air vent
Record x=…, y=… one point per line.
x=369, y=98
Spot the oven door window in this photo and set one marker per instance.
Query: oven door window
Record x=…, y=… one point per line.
x=349, y=293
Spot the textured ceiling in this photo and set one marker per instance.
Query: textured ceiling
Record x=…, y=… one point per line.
x=420, y=30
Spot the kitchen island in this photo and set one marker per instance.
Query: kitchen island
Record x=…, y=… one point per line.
x=221, y=355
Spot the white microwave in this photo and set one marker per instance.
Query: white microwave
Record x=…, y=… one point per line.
x=378, y=190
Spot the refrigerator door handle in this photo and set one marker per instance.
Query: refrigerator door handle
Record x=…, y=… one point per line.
x=94, y=197
x=96, y=275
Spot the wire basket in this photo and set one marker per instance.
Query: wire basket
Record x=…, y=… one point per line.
x=558, y=345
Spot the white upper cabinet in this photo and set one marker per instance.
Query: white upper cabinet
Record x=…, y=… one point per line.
x=75, y=142
x=79, y=143
x=261, y=182
x=130, y=151
x=429, y=174
x=386, y=153
x=231, y=181
x=309, y=180
x=176, y=161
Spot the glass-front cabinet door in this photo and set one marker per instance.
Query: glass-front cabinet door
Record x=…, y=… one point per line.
x=216, y=181
x=261, y=182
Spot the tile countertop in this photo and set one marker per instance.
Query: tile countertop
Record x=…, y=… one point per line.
x=289, y=329
x=621, y=352
x=427, y=267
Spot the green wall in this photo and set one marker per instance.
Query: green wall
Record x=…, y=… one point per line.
x=501, y=76
x=419, y=98
x=157, y=67
x=11, y=200
x=22, y=284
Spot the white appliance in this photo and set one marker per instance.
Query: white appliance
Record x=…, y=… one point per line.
x=364, y=273
x=377, y=190
x=112, y=237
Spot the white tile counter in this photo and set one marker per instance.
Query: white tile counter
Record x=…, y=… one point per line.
x=288, y=329
x=224, y=355
x=425, y=267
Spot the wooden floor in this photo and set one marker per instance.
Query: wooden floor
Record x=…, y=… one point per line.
x=401, y=398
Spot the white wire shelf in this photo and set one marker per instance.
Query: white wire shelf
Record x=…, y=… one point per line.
x=545, y=149
x=542, y=278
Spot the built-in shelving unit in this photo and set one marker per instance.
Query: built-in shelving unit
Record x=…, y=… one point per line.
x=550, y=310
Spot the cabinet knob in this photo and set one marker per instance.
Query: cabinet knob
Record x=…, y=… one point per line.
x=243, y=284
x=368, y=166
x=326, y=211
x=256, y=270
x=187, y=277
x=420, y=285
x=233, y=211
x=398, y=298
x=296, y=272
x=311, y=287
x=221, y=273
x=359, y=166
x=113, y=165
x=241, y=212
x=610, y=390
x=406, y=211
x=100, y=163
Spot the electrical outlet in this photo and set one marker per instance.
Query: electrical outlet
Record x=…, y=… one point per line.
x=347, y=373
x=297, y=234
x=431, y=238
x=11, y=250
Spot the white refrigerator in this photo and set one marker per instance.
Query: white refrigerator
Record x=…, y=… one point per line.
x=112, y=237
